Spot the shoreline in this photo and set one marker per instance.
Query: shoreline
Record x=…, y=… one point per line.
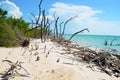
x=49, y=61
x=96, y=41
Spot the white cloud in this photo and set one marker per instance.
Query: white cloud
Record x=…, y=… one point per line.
x=12, y=9
x=63, y=9
x=87, y=17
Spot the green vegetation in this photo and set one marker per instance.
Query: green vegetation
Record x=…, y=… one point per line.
x=7, y=36
x=34, y=33
x=14, y=30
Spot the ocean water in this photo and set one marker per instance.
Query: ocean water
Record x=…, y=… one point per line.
x=96, y=41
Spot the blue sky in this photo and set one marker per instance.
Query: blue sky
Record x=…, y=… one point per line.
x=101, y=17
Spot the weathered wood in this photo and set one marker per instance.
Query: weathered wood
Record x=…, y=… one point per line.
x=107, y=61
x=112, y=41
x=14, y=67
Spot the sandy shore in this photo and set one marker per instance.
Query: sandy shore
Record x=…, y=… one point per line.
x=43, y=61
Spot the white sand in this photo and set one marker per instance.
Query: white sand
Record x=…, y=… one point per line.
x=46, y=68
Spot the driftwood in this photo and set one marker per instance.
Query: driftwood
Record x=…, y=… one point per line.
x=112, y=41
x=107, y=61
x=38, y=58
x=14, y=68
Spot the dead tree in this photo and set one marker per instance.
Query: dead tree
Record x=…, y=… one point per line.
x=66, y=24
x=60, y=33
x=44, y=25
x=41, y=23
x=78, y=32
x=48, y=28
x=112, y=41
x=105, y=43
x=37, y=19
x=55, y=25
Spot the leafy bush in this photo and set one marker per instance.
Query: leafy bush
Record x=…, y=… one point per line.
x=12, y=30
x=7, y=36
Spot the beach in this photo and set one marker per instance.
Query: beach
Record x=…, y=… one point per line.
x=48, y=61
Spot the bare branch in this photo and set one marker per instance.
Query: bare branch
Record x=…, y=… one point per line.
x=112, y=41
x=34, y=17
x=56, y=27
x=78, y=32
x=37, y=19
x=39, y=12
x=66, y=24
x=32, y=22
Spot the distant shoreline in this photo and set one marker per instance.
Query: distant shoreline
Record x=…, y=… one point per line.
x=96, y=35
x=96, y=41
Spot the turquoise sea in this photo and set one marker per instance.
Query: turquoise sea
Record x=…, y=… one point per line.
x=96, y=41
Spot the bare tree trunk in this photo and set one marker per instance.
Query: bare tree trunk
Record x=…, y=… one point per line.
x=105, y=43
x=48, y=27
x=78, y=32
x=66, y=24
x=54, y=32
x=44, y=25
x=41, y=30
x=56, y=27
x=60, y=29
x=112, y=41
x=38, y=19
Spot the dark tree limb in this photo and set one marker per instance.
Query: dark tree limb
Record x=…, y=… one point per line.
x=56, y=27
x=105, y=43
x=60, y=29
x=66, y=24
x=39, y=12
x=112, y=41
x=37, y=19
x=78, y=32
